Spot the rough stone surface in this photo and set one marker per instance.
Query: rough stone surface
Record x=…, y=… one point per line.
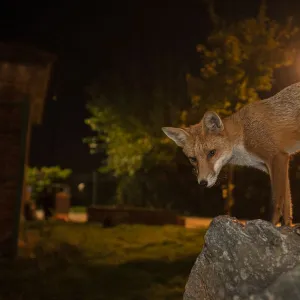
x=286, y=287
x=253, y=261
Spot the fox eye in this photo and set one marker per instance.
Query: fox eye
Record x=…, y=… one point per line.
x=193, y=159
x=211, y=153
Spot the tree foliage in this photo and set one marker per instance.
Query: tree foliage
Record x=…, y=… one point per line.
x=127, y=123
x=126, y=115
x=238, y=63
x=239, y=60
x=39, y=178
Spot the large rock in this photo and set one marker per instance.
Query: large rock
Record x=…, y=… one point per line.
x=254, y=261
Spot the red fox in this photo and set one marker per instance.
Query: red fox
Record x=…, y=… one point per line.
x=261, y=134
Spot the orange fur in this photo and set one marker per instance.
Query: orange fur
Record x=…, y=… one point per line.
x=262, y=135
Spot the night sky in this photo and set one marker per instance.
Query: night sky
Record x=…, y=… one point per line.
x=91, y=38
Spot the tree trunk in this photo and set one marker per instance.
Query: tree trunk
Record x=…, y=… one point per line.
x=229, y=200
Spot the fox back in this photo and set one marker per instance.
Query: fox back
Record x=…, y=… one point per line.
x=250, y=137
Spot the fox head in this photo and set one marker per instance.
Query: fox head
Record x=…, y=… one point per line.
x=206, y=145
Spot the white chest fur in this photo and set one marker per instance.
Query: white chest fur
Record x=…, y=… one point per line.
x=242, y=157
x=294, y=148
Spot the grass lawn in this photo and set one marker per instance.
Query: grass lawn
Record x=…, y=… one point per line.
x=78, y=209
x=87, y=262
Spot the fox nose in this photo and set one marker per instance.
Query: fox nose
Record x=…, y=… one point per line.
x=203, y=183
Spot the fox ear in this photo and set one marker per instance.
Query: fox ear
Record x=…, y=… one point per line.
x=178, y=135
x=212, y=122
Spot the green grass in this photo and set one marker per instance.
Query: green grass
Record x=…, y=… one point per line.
x=78, y=209
x=87, y=262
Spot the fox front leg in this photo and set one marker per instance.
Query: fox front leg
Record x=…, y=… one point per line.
x=279, y=173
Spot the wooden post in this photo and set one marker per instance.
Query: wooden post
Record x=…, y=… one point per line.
x=24, y=76
x=229, y=200
x=12, y=156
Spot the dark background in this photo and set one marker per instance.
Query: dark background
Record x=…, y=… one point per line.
x=90, y=39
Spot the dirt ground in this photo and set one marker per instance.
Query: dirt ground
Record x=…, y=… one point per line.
x=191, y=222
